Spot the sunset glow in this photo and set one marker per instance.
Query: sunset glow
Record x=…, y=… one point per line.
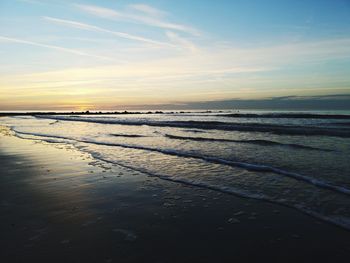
x=120, y=54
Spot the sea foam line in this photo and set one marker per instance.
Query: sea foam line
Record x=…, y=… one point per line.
x=258, y=142
x=244, y=165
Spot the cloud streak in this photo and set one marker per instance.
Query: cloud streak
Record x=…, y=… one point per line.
x=58, y=48
x=88, y=27
x=149, y=16
x=182, y=42
x=149, y=10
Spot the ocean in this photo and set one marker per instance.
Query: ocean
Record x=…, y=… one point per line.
x=296, y=159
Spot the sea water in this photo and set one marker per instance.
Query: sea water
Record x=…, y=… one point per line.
x=300, y=160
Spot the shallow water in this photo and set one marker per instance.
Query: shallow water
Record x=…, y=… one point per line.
x=295, y=160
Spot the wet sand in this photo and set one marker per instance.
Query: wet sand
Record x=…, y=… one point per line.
x=60, y=205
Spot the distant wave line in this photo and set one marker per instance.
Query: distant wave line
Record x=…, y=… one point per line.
x=217, y=125
x=258, y=142
x=285, y=115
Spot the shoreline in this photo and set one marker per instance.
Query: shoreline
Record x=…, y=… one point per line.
x=214, y=113
x=10, y=114
x=60, y=204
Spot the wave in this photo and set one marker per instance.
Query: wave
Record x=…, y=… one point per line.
x=286, y=115
x=128, y=135
x=347, y=124
x=338, y=221
x=258, y=142
x=194, y=131
x=211, y=159
x=335, y=220
x=55, y=122
x=217, y=125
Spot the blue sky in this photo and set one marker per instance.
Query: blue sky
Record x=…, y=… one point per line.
x=118, y=54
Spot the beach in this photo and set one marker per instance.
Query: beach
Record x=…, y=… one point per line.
x=60, y=204
x=174, y=131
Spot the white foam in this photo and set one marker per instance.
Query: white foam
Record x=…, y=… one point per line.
x=247, y=166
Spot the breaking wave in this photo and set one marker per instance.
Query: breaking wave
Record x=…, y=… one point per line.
x=337, y=220
x=257, y=142
x=210, y=159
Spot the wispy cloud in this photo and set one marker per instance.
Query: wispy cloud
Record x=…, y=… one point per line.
x=226, y=61
x=62, y=49
x=148, y=16
x=83, y=26
x=226, y=72
x=183, y=42
x=149, y=10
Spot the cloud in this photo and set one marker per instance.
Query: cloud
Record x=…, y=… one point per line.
x=182, y=42
x=318, y=102
x=147, y=9
x=62, y=49
x=213, y=73
x=284, y=97
x=83, y=26
x=316, y=97
x=147, y=17
x=224, y=67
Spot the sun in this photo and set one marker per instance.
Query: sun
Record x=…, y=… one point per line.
x=84, y=107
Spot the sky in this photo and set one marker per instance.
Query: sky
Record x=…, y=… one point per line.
x=120, y=54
